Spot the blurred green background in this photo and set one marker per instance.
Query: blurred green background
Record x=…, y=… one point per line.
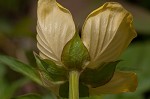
x=18, y=39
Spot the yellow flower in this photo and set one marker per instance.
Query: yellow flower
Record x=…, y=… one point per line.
x=106, y=33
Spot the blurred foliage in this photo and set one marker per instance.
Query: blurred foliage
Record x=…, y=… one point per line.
x=7, y=89
x=143, y=3
x=17, y=39
x=28, y=96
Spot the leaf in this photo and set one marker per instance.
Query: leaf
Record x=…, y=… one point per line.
x=21, y=68
x=75, y=55
x=28, y=96
x=64, y=90
x=99, y=76
x=56, y=73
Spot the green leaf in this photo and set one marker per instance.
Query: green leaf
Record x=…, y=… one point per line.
x=75, y=54
x=64, y=90
x=56, y=73
x=21, y=68
x=29, y=96
x=99, y=76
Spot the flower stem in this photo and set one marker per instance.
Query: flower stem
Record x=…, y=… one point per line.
x=74, y=85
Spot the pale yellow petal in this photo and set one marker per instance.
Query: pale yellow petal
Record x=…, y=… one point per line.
x=55, y=27
x=121, y=82
x=107, y=32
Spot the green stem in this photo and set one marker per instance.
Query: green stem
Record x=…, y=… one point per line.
x=74, y=85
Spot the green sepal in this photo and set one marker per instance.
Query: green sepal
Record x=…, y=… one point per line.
x=75, y=54
x=49, y=83
x=39, y=62
x=98, y=76
x=55, y=72
x=64, y=90
x=28, y=96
